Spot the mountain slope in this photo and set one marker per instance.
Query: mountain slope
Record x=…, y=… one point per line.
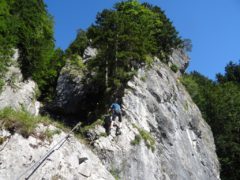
x=163, y=137
x=156, y=104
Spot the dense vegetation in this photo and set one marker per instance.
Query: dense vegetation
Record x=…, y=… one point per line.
x=27, y=26
x=127, y=37
x=220, y=104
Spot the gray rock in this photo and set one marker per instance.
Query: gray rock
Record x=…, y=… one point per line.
x=180, y=59
x=89, y=53
x=72, y=160
x=184, y=145
x=69, y=91
x=163, y=136
x=156, y=104
x=17, y=93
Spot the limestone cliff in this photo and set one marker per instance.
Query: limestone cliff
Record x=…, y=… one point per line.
x=18, y=93
x=158, y=107
x=164, y=137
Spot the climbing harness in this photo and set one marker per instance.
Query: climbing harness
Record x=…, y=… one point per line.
x=37, y=164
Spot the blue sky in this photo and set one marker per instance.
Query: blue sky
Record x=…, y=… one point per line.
x=212, y=25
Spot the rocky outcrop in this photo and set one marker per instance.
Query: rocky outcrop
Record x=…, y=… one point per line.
x=180, y=59
x=17, y=93
x=69, y=91
x=163, y=136
x=69, y=160
x=175, y=141
x=74, y=87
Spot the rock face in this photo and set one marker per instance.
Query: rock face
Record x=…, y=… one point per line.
x=163, y=137
x=17, y=93
x=157, y=105
x=72, y=160
x=69, y=90
x=180, y=59
x=73, y=89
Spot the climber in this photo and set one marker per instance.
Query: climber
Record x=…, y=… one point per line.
x=116, y=112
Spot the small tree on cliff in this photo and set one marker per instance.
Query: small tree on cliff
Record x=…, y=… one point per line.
x=125, y=38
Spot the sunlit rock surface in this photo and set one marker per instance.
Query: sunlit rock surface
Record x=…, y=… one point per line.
x=163, y=137
x=156, y=101
x=17, y=93
x=70, y=159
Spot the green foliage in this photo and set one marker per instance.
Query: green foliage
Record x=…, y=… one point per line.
x=49, y=80
x=24, y=123
x=136, y=140
x=79, y=44
x=1, y=84
x=27, y=26
x=48, y=134
x=2, y=140
x=200, y=89
x=232, y=73
x=165, y=33
x=123, y=37
x=174, y=68
x=220, y=104
x=128, y=37
x=35, y=37
x=115, y=173
x=84, y=129
x=146, y=136
x=7, y=39
x=77, y=62
x=103, y=134
x=20, y=122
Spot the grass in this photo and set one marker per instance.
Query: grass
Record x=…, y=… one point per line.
x=143, y=78
x=146, y=136
x=136, y=140
x=24, y=123
x=1, y=85
x=86, y=128
x=2, y=140
x=115, y=173
x=48, y=134
x=103, y=134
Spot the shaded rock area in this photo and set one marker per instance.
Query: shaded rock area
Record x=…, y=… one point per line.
x=69, y=91
x=18, y=93
x=75, y=93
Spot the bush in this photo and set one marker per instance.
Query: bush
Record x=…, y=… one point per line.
x=23, y=122
x=174, y=68
x=1, y=85
x=136, y=140
x=146, y=136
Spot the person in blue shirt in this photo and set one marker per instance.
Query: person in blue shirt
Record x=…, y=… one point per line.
x=115, y=108
x=116, y=112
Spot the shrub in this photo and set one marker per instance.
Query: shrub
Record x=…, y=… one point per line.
x=136, y=140
x=115, y=173
x=146, y=136
x=2, y=140
x=24, y=123
x=174, y=68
